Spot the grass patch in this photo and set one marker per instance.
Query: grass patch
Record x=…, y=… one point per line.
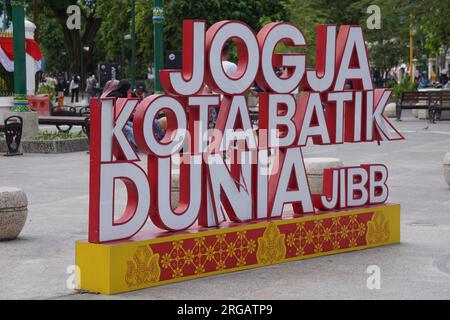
x=51, y=136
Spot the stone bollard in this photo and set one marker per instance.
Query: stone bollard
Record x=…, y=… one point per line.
x=447, y=168
x=13, y=212
x=391, y=110
x=314, y=170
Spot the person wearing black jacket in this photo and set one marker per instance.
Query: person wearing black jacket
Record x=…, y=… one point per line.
x=159, y=126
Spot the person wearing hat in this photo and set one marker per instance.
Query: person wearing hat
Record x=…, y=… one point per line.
x=140, y=90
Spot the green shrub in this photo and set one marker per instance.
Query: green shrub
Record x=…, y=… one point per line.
x=48, y=89
x=51, y=136
x=404, y=86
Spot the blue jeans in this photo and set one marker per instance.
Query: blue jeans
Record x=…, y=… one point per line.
x=128, y=129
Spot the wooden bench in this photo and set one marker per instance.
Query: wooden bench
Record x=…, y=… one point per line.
x=70, y=121
x=440, y=101
x=413, y=100
x=67, y=116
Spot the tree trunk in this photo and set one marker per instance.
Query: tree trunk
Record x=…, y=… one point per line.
x=36, y=13
x=74, y=44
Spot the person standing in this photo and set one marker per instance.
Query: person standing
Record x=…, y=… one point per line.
x=60, y=86
x=229, y=67
x=75, y=88
x=91, y=83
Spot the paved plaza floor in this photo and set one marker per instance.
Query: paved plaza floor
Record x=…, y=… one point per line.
x=35, y=266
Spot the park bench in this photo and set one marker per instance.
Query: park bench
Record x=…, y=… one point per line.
x=63, y=111
x=65, y=117
x=440, y=101
x=413, y=100
x=61, y=121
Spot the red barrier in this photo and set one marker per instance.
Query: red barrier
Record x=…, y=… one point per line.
x=40, y=104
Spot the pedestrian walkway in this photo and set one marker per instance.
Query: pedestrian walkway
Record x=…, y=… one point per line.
x=57, y=187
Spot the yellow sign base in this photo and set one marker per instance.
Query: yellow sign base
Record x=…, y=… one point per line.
x=152, y=260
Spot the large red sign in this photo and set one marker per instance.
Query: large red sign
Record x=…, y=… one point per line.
x=235, y=173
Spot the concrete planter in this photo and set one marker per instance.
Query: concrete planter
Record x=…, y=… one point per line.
x=13, y=212
x=314, y=170
x=390, y=111
x=447, y=168
x=51, y=146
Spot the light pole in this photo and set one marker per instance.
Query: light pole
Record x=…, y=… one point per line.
x=411, y=48
x=125, y=37
x=82, y=76
x=20, y=69
x=158, y=19
x=133, y=42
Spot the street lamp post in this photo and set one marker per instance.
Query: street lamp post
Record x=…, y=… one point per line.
x=126, y=37
x=123, y=58
x=133, y=42
x=81, y=68
x=82, y=75
x=20, y=71
x=158, y=19
x=411, y=48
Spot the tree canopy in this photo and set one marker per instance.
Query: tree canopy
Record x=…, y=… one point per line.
x=105, y=22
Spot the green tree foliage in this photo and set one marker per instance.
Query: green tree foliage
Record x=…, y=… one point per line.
x=51, y=40
x=431, y=18
x=305, y=14
x=116, y=24
x=104, y=23
x=53, y=15
x=388, y=45
x=253, y=12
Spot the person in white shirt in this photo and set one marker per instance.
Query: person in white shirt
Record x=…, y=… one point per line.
x=75, y=87
x=229, y=67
